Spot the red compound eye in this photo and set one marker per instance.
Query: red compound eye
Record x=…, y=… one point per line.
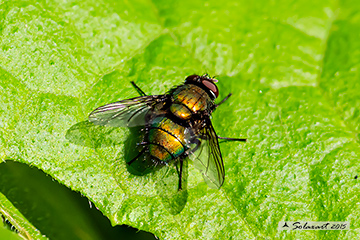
x=211, y=86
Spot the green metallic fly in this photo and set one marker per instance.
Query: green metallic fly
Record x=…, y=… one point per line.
x=171, y=128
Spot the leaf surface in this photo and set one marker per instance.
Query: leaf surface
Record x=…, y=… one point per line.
x=293, y=69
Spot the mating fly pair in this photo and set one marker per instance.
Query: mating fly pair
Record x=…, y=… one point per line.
x=171, y=128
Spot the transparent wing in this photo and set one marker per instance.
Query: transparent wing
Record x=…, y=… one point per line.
x=207, y=157
x=128, y=113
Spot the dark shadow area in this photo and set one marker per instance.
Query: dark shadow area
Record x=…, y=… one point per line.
x=58, y=212
x=90, y=135
x=173, y=198
x=94, y=136
x=138, y=161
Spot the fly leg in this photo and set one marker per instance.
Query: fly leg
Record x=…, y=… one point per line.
x=231, y=139
x=222, y=101
x=141, y=92
x=192, y=150
x=179, y=172
x=226, y=138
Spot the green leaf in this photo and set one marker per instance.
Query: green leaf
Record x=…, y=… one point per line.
x=293, y=69
x=19, y=223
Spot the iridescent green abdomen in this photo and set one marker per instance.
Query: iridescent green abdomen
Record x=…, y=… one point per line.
x=189, y=99
x=166, y=139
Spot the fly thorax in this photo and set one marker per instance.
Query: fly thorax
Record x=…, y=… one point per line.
x=189, y=99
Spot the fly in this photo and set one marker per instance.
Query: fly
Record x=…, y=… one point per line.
x=171, y=128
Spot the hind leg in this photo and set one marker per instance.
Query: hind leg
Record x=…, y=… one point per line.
x=179, y=171
x=141, y=92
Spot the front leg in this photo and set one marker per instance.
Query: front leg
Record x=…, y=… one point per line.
x=222, y=101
